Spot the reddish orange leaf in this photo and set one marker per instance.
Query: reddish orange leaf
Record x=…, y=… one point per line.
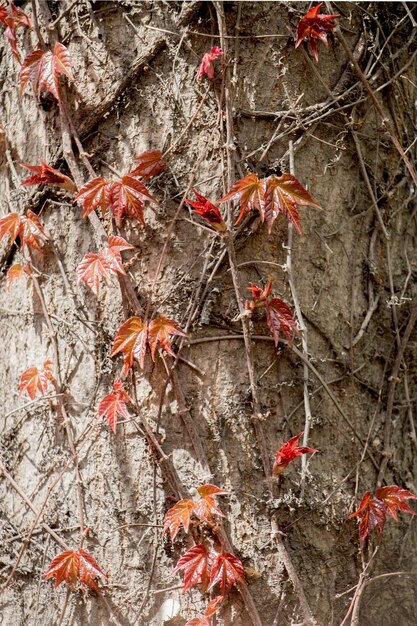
x=198, y=621
x=315, y=26
x=259, y=295
x=177, y=516
x=31, y=231
x=226, y=570
x=112, y=255
x=373, y=510
x=195, y=564
x=288, y=452
x=12, y=18
x=131, y=342
x=279, y=317
x=34, y=380
x=46, y=175
x=206, y=507
x=43, y=69
x=206, y=66
x=251, y=193
x=70, y=566
x=161, y=331
x=127, y=197
x=282, y=194
x=15, y=272
x=149, y=164
x=208, y=211
x=95, y=193
x=213, y=606
x=114, y=404
x=10, y=225
x=92, y=268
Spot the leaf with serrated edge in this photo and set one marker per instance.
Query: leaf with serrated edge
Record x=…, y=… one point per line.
x=177, y=516
x=282, y=195
x=250, y=191
x=161, y=331
x=131, y=340
x=127, y=197
x=226, y=570
x=114, y=405
x=31, y=231
x=46, y=175
x=279, y=317
x=10, y=225
x=35, y=380
x=92, y=268
x=15, y=272
x=314, y=26
x=195, y=566
x=206, y=507
x=112, y=255
x=394, y=498
x=70, y=566
x=289, y=451
x=149, y=163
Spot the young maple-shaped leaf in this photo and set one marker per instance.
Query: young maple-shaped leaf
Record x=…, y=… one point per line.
x=282, y=195
x=314, y=26
x=226, y=570
x=96, y=193
x=112, y=255
x=279, y=317
x=206, y=507
x=15, y=272
x=10, y=225
x=127, y=197
x=114, y=404
x=195, y=564
x=131, y=341
x=206, y=66
x=31, y=231
x=35, y=380
x=211, y=609
x=93, y=267
x=71, y=566
x=208, y=211
x=149, y=164
x=289, y=451
x=161, y=331
x=177, y=516
x=250, y=191
x=12, y=18
x=46, y=175
x=259, y=295
x=373, y=510
x=43, y=69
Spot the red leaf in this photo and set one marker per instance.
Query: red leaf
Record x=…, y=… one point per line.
x=208, y=211
x=15, y=272
x=279, y=317
x=288, y=452
x=131, y=342
x=315, y=26
x=198, y=621
x=251, y=193
x=92, y=268
x=114, y=404
x=34, y=380
x=177, y=516
x=206, y=507
x=10, y=225
x=11, y=19
x=31, y=231
x=372, y=514
x=226, y=570
x=282, y=194
x=195, y=564
x=206, y=66
x=161, y=331
x=150, y=164
x=128, y=196
x=394, y=498
x=213, y=606
x=112, y=255
x=43, y=69
x=259, y=295
x=95, y=193
x=46, y=175
x=70, y=566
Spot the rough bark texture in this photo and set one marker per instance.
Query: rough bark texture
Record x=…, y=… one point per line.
x=135, y=88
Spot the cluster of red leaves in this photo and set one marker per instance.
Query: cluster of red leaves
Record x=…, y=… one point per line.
x=211, y=609
x=28, y=227
x=125, y=196
x=35, y=380
x=12, y=18
x=42, y=68
x=210, y=568
x=373, y=510
x=114, y=405
x=206, y=66
x=289, y=451
x=132, y=338
x=314, y=27
x=279, y=316
x=46, y=175
x=106, y=263
x=270, y=196
x=15, y=272
x=208, y=211
x=204, y=509
x=71, y=566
